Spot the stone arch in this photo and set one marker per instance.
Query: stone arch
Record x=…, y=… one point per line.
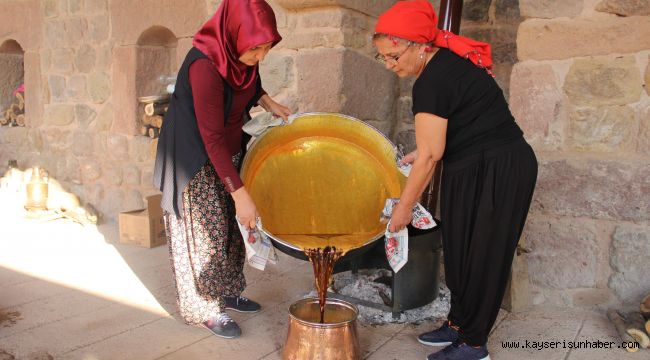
x=12, y=72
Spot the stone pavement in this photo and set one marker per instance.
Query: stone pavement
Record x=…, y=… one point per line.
x=72, y=292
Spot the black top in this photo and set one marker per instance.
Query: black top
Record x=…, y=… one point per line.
x=181, y=152
x=455, y=89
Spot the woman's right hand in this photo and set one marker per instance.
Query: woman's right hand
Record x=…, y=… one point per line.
x=245, y=207
x=409, y=158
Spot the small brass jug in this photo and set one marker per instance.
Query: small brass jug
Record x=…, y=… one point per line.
x=37, y=190
x=335, y=339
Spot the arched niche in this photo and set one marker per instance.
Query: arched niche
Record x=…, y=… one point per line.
x=12, y=72
x=155, y=58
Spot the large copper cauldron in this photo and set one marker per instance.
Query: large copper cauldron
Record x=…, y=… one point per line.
x=323, y=180
x=334, y=339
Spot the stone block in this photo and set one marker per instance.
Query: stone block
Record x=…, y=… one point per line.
x=85, y=115
x=586, y=188
x=563, y=252
x=566, y=38
x=502, y=73
x=54, y=34
x=132, y=200
x=139, y=148
x=16, y=136
x=124, y=94
x=327, y=96
x=35, y=97
x=182, y=48
x=62, y=61
x=75, y=29
x=276, y=72
x=549, y=9
x=113, y=202
x=50, y=8
x=591, y=297
x=76, y=88
x=644, y=133
x=57, y=141
x=96, y=6
x=98, y=28
x=502, y=39
x=321, y=17
x=104, y=58
x=508, y=10
x=93, y=194
x=35, y=140
x=112, y=173
x=104, y=118
x=131, y=175
x=406, y=85
x=56, y=85
x=604, y=129
x=603, y=81
x=372, y=8
x=312, y=38
x=59, y=114
x=117, y=147
x=75, y=6
x=625, y=7
x=476, y=10
x=368, y=89
x=646, y=82
x=182, y=18
x=83, y=144
x=405, y=110
x=99, y=87
x=536, y=101
x=629, y=261
x=85, y=58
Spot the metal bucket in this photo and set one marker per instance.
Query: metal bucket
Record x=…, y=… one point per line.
x=335, y=339
x=323, y=180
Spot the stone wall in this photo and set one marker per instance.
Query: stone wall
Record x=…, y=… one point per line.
x=581, y=93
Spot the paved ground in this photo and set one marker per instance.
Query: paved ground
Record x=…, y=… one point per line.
x=73, y=293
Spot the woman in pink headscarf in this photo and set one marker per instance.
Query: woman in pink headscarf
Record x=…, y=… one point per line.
x=489, y=172
x=199, y=151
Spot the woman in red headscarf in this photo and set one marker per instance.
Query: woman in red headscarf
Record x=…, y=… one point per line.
x=489, y=171
x=199, y=151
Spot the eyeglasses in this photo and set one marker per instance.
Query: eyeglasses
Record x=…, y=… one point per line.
x=392, y=60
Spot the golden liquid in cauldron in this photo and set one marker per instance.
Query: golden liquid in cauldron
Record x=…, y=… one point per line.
x=322, y=181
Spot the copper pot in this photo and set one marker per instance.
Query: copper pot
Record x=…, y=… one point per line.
x=335, y=339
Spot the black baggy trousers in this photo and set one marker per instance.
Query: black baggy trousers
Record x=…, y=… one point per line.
x=484, y=202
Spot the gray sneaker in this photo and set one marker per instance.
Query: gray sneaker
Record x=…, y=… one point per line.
x=241, y=304
x=223, y=326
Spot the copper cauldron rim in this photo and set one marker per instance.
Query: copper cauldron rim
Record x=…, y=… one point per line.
x=317, y=113
x=347, y=304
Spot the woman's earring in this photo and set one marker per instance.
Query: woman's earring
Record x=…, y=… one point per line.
x=422, y=56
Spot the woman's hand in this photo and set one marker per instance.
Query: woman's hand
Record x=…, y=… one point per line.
x=401, y=216
x=245, y=208
x=272, y=106
x=409, y=158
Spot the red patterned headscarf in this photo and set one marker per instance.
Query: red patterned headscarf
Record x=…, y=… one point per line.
x=237, y=26
x=415, y=20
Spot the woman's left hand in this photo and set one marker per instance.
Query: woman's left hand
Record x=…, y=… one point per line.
x=401, y=217
x=274, y=107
